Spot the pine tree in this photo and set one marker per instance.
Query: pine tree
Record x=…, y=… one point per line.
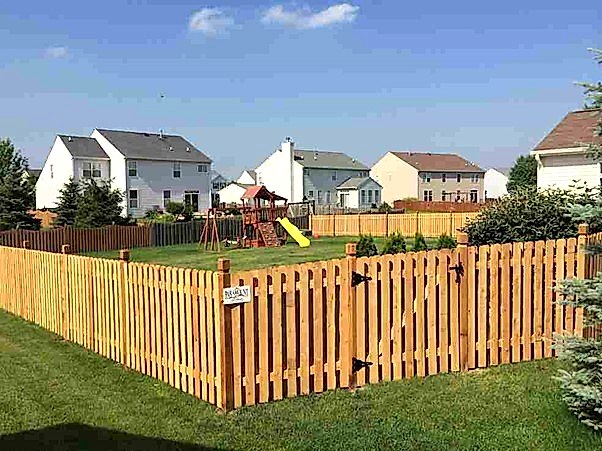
x=67, y=204
x=16, y=192
x=98, y=205
x=582, y=381
x=523, y=174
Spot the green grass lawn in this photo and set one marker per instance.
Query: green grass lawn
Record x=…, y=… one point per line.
x=193, y=256
x=55, y=395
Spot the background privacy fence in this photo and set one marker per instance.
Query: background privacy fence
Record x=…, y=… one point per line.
x=429, y=224
x=308, y=327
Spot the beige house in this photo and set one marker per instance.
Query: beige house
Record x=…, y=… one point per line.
x=428, y=176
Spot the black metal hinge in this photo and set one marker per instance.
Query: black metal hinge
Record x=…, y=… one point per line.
x=357, y=364
x=357, y=278
x=459, y=269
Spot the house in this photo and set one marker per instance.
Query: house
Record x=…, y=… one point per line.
x=496, y=180
x=232, y=193
x=218, y=182
x=151, y=169
x=359, y=192
x=248, y=177
x=302, y=175
x=32, y=174
x=562, y=155
x=428, y=176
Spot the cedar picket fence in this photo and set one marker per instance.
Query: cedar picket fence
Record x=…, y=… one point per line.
x=420, y=314
x=431, y=225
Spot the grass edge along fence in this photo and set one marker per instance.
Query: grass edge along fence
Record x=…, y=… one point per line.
x=308, y=327
x=431, y=225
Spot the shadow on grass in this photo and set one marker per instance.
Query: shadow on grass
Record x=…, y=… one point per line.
x=68, y=437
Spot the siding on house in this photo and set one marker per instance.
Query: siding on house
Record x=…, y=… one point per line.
x=495, y=184
x=277, y=174
x=232, y=194
x=318, y=184
x=118, y=166
x=398, y=178
x=451, y=185
x=60, y=163
x=563, y=170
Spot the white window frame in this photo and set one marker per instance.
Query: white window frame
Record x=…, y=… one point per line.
x=444, y=177
x=427, y=195
x=376, y=196
x=426, y=177
x=362, y=196
x=474, y=178
x=132, y=167
x=474, y=199
x=458, y=177
x=320, y=199
x=93, y=168
x=310, y=194
x=328, y=197
x=443, y=194
x=133, y=203
x=369, y=196
x=166, y=198
x=202, y=168
x=334, y=176
x=176, y=169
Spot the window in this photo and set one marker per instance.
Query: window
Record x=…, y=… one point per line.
x=166, y=197
x=51, y=171
x=334, y=176
x=133, y=198
x=376, y=196
x=426, y=177
x=132, y=168
x=458, y=196
x=474, y=196
x=91, y=170
x=443, y=195
x=474, y=178
x=328, y=199
x=363, y=197
x=458, y=177
x=319, y=197
x=369, y=196
x=310, y=194
x=202, y=168
x=444, y=177
x=177, y=171
x=427, y=195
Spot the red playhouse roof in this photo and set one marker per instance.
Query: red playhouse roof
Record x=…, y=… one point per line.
x=261, y=192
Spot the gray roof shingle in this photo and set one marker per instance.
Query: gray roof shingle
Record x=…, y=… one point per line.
x=151, y=146
x=327, y=160
x=83, y=147
x=356, y=182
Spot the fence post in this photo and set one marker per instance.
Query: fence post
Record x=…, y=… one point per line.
x=582, y=271
x=451, y=223
x=334, y=224
x=417, y=223
x=462, y=261
x=26, y=244
x=386, y=223
x=65, y=250
x=124, y=317
x=359, y=224
x=350, y=339
x=226, y=398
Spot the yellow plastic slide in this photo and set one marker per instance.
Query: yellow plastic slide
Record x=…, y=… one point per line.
x=294, y=232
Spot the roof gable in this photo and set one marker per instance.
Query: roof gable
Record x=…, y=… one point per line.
x=154, y=146
x=574, y=130
x=319, y=159
x=83, y=147
x=357, y=182
x=437, y=162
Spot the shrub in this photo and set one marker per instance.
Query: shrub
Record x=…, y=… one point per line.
x=419, y=243
x=445, y=241
x=395, y=244
x=529, y=215
x=180, y=210
x=366, y=247
x=99, y=205
x=384, y=208
x=152, y=214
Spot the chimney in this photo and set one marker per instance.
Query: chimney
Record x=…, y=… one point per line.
x=69, y=139
x=288, y=149
x=161, y=133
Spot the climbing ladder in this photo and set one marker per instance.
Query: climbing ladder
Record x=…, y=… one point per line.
x=268, y=234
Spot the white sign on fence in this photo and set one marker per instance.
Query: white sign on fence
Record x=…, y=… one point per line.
x=237, y=295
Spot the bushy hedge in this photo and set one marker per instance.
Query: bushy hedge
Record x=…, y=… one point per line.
x=395, y=244
x=366, y=247
x=419, y=243
x=445, y=241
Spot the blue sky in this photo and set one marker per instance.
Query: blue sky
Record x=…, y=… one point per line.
x=483, y=79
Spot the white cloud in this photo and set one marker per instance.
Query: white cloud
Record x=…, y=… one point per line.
x=209, y=21
x=56, y=52
x=304, y=18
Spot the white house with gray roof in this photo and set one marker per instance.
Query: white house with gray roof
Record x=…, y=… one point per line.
x=307, y=174
x=151, y=169
x=359, y=193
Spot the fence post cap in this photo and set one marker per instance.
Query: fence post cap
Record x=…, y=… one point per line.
x=26, y=244
x=124, y=255
x=583, y=229
x=66, y=248
x=223, y=264
x=351, y=249
x=462, y=239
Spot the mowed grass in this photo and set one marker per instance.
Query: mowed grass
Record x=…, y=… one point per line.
x=55, y=395
x=195, y=256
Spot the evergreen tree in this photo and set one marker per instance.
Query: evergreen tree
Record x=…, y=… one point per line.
x=16, y=192
x=67, y=204
x=98, y=205
x=523, y=174
x=582, y=381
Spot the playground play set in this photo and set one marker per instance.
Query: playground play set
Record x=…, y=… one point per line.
x=259, y=217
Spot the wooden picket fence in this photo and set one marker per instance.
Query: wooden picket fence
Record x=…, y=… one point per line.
x=308, y=325
x=429, y=224
x=80, y=240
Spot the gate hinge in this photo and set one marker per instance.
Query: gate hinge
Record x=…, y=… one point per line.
x=357, y=364
x=459, y=269
x=357, y=278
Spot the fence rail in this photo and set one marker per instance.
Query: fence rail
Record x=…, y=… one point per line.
x=429, y=224
x=419, y=314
